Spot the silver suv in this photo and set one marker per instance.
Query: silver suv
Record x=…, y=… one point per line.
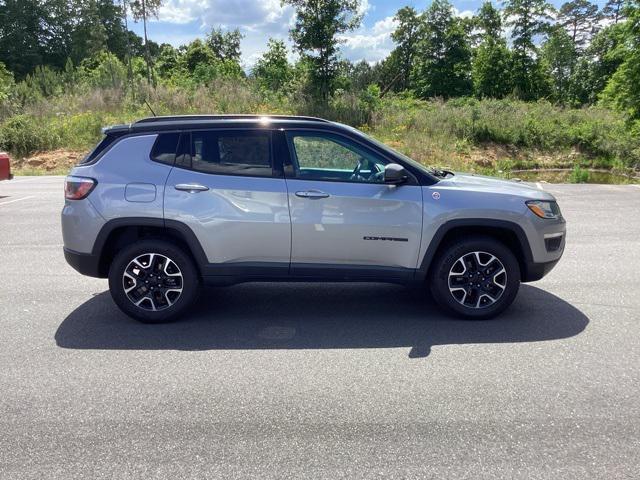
x=167, y=203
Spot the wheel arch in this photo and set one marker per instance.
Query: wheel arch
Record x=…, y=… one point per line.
x=508, y=233
x=119, y=232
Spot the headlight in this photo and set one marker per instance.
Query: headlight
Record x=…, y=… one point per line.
x=544, y=209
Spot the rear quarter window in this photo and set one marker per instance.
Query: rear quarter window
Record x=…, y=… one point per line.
x=105, y=143
x=164, y=150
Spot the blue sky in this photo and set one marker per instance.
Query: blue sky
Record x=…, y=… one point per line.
x=181, y=21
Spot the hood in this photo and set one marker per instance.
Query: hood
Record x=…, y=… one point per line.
x=496, y=185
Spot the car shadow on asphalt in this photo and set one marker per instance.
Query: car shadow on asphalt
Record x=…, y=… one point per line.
x=318, y=316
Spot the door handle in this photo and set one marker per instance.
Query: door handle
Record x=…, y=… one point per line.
x=191, y=187
x=312, y=194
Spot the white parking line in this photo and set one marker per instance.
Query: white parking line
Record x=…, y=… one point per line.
x=16, y=200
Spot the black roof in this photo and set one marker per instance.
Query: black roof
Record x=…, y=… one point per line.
x=179, y=122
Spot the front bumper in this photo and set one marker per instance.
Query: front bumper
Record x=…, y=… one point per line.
x=535, y=271
x=85, y=263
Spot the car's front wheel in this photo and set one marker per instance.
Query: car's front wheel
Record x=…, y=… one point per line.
x=475, y=278
x=153, y=281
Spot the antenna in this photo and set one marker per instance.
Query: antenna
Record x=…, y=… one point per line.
x=154, y=113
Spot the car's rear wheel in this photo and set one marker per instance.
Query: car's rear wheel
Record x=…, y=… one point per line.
x=475, y=278
x=153, y=281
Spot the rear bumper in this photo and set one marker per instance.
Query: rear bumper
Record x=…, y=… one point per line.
x=85, y=263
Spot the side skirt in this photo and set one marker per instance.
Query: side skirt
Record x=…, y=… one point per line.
x=230, y=274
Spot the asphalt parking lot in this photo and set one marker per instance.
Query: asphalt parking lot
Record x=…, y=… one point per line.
x=322, y=381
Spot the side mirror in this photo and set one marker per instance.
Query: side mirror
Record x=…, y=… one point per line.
x=395, y=174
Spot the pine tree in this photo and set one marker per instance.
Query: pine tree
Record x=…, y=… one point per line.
x=613, y=10
x=143, y=10
x=580, y=19
x=528, y=19
x=491, y=70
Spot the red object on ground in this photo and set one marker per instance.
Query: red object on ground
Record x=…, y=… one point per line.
x=5, y=167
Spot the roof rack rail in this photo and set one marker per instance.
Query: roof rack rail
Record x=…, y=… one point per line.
x=170, y=118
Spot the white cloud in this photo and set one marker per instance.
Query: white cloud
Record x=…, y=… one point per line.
x=364, y=7
x=370, y=44
x=462, y=13
x=176, y=11
x=244, y=14
x=260, y=19
x=386, y=25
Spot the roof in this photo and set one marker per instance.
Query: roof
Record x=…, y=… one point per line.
x=179, y=122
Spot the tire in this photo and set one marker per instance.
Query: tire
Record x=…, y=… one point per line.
x=475, y=259
x=171, y=281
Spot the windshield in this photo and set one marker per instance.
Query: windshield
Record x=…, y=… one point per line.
x=413, y=163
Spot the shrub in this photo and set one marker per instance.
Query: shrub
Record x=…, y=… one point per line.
x=23, y=135
x=579, y=175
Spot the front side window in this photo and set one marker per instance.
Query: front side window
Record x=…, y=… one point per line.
x=231, y=153
x=322, y=156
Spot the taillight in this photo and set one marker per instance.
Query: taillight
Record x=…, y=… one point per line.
x=77, y=188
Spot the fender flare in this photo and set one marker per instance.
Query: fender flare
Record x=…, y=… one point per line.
x=449, y=225
x=187, y=234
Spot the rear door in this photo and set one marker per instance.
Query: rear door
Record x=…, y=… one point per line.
x=342, y=212
x=225, y=188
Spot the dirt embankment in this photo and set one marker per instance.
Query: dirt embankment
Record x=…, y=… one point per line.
x=54, y=160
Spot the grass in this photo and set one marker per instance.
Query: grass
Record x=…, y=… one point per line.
x=487, y=136
x=497, y=136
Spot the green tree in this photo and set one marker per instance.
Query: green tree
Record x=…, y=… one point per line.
x=559, y=55
x=112, y=18
x=598, y=63
x=489, y=21
x=528, y=19
x=20, y=32
x=197, y=53
x=272, y=70
x=168, y=61
x=225, y=45
x=623, y=89
x=6, y=83
x=443, y=64
x=318, y=24
x=580, y=19
x=142, y=10
x=613, y=10
x=104, y=70
x=90, y=35
x=362, y=74
x=491, y=68
x=406, y=37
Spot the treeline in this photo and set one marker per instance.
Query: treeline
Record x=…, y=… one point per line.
x=68, y=67
x=575, y=55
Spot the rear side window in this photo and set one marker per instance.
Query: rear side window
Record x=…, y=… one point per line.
x=164, y=150
x=230, y=153
x=106, y=142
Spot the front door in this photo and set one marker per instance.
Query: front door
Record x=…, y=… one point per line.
x=343, y=214
x=224, y=187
